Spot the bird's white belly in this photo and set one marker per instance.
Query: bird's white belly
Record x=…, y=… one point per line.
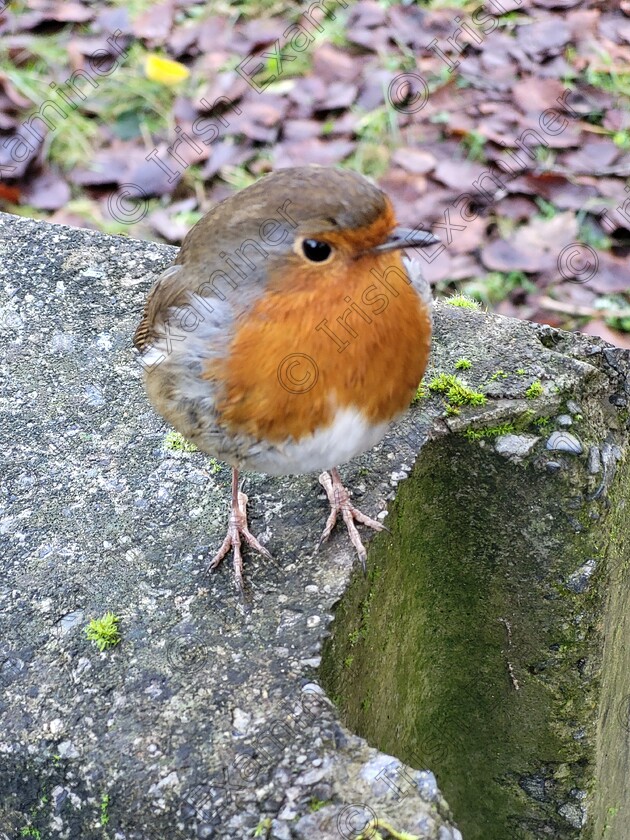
x=348, y=435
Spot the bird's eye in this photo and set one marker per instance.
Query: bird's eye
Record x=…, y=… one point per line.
x=315, y=250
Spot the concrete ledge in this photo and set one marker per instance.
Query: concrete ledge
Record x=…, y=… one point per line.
x=207, y=721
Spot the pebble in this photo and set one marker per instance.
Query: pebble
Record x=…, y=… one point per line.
x=564, y=442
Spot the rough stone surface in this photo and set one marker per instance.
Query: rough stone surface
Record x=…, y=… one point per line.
x=205, y=720
x=208, y=719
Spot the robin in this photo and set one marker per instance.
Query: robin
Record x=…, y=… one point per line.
x=288, y=334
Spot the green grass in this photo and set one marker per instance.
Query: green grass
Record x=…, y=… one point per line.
x=474, y=145
x=496, y=286
x=378, y=134
x=129, y=103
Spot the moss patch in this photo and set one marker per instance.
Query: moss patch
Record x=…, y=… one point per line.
x=535, y=390
x=457, y=393
x=468, y=653
x=463, y=302
x=104, y=631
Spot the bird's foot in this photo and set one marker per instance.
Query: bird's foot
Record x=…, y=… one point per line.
x=339, y=499
x=237, y=528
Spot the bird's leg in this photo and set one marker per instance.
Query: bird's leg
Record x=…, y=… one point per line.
x=339, y=499
x=237, y=527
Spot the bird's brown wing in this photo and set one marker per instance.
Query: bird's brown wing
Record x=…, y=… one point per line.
x=170, y=289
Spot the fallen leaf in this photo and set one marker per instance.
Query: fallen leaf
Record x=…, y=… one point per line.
x=300, y=152
x=599, y=328
x=416, y=161
x=47, y=191
x=164, y=70
x=155, y=24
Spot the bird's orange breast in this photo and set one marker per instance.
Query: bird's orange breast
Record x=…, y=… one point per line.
x=359, y=338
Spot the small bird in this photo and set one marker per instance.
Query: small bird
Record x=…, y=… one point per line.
x=288, y=334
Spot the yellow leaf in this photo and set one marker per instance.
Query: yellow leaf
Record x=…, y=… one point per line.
x=164, y=70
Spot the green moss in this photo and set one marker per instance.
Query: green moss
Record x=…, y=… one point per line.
x=30, y=831
x=263, y=828
x=317, y=804
x=498, y=374
x=373, y=829
x=104, y=806
x=457, y=393
x=463, y=364
x=494, y=431
x=463, y=301
x=521, y=371
x=104, y=631
x=535, y=390
x=421, y=393
x=178, y=443
x=475, y=542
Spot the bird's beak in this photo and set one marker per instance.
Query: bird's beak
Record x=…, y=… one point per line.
x=407, y=238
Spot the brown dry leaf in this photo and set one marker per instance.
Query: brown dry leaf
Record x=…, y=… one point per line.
x=416, y=161
x=612, y=275
x=533, y=247
x=458, y=174
x=503, y=255
x=544, y=38
x=155, y=24
x=339, y=95
x=554, y=188
x=214, y=33
x=301, y=129
x=223, y=153
x=11, y=194
x=333, y=64
x=535, y=94
x=403, y=188
x=300, y=152
x=17, y=152
x=470, y=239
x=259, y=121
x=66, y=12
x=592, y=156
x=47, y=191
x=599, y=328
x=229, y=85
x=557, y=4
x=163, y=220
x=616, y=28
x=617, y=120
